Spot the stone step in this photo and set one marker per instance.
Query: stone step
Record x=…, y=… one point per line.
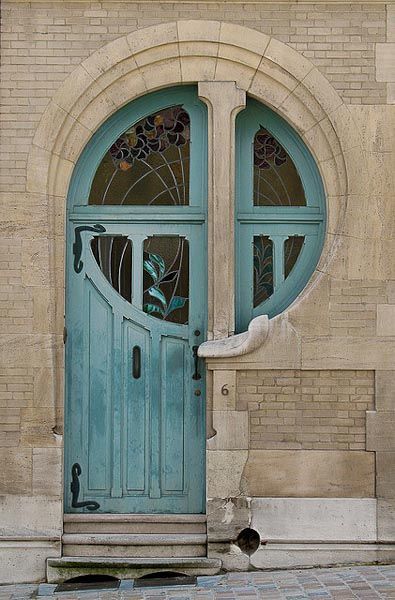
x=134, y=539
x=61, y=569
x=144, y=545
x=152, y=524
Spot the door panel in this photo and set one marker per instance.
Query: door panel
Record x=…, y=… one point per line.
x=135, y=430
x=99, y=333
x=173, y=414
x=143, y=450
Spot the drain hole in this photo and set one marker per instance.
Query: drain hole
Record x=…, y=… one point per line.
x=162, y=574
x=248, y=541
x=164, y=578
x=88, y=582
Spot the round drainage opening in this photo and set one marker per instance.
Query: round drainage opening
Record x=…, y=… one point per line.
x=248, y=541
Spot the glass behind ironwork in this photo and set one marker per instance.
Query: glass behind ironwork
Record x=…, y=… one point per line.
x=276, y=180
x=148, y=164
x=263, y=269
x=113, y=254
x=292, y=249
x=166, y=278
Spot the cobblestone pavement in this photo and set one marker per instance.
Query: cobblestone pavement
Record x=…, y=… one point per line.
x=366, y=583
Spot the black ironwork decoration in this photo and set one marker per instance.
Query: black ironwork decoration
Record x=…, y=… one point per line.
x=77, y=246
x=75, y=490
x=196, y=375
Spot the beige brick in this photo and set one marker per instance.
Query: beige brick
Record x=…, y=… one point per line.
x=385, y=62
x=386, y=319
x=380, y=431
x=16, y=472
x=316, y=419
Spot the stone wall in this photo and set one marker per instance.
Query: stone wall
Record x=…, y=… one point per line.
x=43, y=42
x=341, y=329
x=303, y=410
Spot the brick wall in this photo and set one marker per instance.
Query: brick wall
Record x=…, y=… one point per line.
x=16, y=394
x=301, y=410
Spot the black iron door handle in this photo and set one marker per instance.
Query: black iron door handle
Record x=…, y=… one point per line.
x=196, y=375
x=136, y=361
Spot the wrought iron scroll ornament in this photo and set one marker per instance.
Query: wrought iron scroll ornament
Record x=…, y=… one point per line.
x=77, y=246
x=75, y=490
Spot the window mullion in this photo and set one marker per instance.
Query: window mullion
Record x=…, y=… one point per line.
x=224, y=100
x=137, y=270
x=278, y=259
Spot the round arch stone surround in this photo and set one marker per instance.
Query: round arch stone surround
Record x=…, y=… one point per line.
x=189, y=52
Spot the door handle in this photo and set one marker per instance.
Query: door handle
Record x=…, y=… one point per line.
x=136, y=362
x=196, y=375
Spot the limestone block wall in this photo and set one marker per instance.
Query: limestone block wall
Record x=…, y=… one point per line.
x=338, y=338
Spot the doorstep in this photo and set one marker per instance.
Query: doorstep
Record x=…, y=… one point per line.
x=61, y=569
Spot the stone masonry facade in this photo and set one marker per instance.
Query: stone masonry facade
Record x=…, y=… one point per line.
x=306, y=426
x=42, y=43
x=303, y=410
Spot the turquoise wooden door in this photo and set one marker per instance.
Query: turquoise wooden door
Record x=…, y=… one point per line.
x=136, y=312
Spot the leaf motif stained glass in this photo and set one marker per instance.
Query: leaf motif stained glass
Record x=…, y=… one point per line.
x=292, y=249
x=113, y=255
x=166, y=278
x=148, y=164
x=263, y=269
x=276, y=180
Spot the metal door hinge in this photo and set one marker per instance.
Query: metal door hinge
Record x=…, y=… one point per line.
x=75, y=490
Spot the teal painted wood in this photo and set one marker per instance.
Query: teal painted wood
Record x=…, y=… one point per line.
x=140, y=442
x=277, y=222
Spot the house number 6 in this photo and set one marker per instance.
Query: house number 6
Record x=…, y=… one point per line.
x=224, y=390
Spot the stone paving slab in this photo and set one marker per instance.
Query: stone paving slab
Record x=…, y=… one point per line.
x=367, y=583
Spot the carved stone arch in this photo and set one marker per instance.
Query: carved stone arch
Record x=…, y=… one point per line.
x=190, y=52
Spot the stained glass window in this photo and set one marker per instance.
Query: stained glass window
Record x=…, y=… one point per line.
x=280, y=214
x=113, y=255
x=292, y=249
x=276, y=180
x=166, y=278
x=148, y=164
x=263, y=269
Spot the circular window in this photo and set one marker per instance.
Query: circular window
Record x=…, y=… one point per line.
x=280, y=214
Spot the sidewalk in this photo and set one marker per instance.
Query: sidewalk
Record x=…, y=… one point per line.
x=366, y=583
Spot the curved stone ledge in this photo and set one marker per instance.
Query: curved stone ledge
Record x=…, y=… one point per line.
x=240, y=344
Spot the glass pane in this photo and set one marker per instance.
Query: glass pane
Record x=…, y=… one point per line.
x=276, y=181
x=148, y=164
x=263, y=268
x=166, y=278
x=113, y=254
x=292, y=248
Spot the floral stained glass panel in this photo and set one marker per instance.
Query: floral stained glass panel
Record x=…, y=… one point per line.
x=113, y=255
x=292, y=249
x=263, y=269
x=148, y=164
x=276, y=180
x=166, y=278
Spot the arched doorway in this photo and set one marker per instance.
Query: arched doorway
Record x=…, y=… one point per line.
x=136, y=311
